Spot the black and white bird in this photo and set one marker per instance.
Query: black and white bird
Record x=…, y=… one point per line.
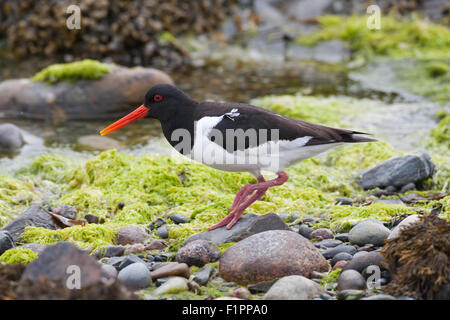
x=236, y=137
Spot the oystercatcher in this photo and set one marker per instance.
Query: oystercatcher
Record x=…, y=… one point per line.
x=236, y=137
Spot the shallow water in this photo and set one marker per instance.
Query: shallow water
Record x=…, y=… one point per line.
x=397, y=116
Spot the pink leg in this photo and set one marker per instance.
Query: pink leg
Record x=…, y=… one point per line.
x=245, y=200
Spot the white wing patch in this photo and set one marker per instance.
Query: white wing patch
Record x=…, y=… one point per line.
x=232, y=114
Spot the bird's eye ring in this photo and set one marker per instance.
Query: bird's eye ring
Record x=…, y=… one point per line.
x=157, y=97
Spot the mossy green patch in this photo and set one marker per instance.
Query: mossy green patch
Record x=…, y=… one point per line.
x=330, y=278
x=397, y=38
x=441, y=134
x=18, y=255
x=70, y=72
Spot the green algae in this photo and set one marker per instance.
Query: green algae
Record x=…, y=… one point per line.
x=441, y=134
x=18, y=255
x=80, y=70
x=397, y=38
x=330, y=278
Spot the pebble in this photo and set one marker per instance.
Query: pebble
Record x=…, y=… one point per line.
x=179, y=218
x=362, y=261
x=342, y=237
x=339, y=264
x=156, y=244
x=368, y=231
x=241, y=293
x=305, y=231
x=330, y=253
x=131, y=235
x=92, y=218
x=113, y=251
x=327, y=243
x=121, y=262
x=135, y=275
x=202, y=276
x=407, y=187
x=321, y=233
x=351, y=279
x=173, y=285
x=293, y=288
x=344, y=201
x=198, y=253
x=341, y=256
x=11, y=137
x=109, y=271
x=171, y=269
x=162, y=232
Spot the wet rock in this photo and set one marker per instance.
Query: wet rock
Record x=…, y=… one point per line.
x=202, y=276
x=248, y=225
x=368, y=231
x=198, y=253
x=321, y=233
x=398, y=171
x=162, y=232
x=350, y=294
x=179, y=218
x=171, y=269
x=172, y=285
x=327, y=243
x=69, y=212
x=269, y=255
x=83, y=99
x=305, y=231
x=11, y=137
x=330, y=253
x=293, y=288
x=408, y=221
x=131, y=234
x=342, y=256
x=135, y=275
x=35, y=215
x=351, y=279
x=56, y=262
x=6, y=241
x=360, y=262
x=342, y=236
x=261, y=287
x=96, y=142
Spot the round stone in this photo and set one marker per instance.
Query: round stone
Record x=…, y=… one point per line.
x=135, y=275
x=351, y=279
x=368, y=231
x=341, y=256
x=270, y=255
x=198, y=253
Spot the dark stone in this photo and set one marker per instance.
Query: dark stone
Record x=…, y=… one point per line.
x=135, y=275
x=248, y=225
x=270, y=255
x=127, y=260
x=179, y=218
x=198, y=253
x=11, y=137
x=330, y=253
x=341, y=256
x=92, y=218
x=407, y=187
x=6, y=241
x=35, y=215
x=114, y=251
x=54, y=263
x=342, y=236
x=351, y=279
x=261, y=287
x=398, y=171
x=321, y=233
x=202, y=276
x=369, y=231
x=344, y=201
x=305, y=231
x=120, y=205
x=362, y=261
x=66, y=211
x=162, y=232
x=327, y=243
x=158, y=223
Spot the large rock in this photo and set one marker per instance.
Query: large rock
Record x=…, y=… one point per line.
x=35, y=215
x=6, y=241
x=270, y=255
x=64, y=262
x=248, y=225
x=368, y=231
x=398, y=171
x=11, y=137
x=294, y=288
x=109, y=96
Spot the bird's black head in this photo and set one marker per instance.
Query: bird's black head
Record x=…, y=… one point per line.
x=162, y=102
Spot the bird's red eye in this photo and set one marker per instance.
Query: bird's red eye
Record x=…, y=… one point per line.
x=157, y=98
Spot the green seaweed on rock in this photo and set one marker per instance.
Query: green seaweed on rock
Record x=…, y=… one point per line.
x=18, y=256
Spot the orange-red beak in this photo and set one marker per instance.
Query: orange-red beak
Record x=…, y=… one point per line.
x=131, y=117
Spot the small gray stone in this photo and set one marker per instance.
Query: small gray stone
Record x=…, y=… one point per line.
x=179, y=218
x=342, y=236
x=11, y=137
x=128, y=260
x=162, y=232
x=293, y=288
x=360, y=262
x=109, y=271
x=202, y=276
x=305, y=231
x=407, y=187
x=351, y=279
x=6, y=241
x=135, y=275
x=327, y=243
x=321, y=233
x=330, y=253
x=344, y=201
x=173, y=285
x=341, y=256
x=368, y=231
